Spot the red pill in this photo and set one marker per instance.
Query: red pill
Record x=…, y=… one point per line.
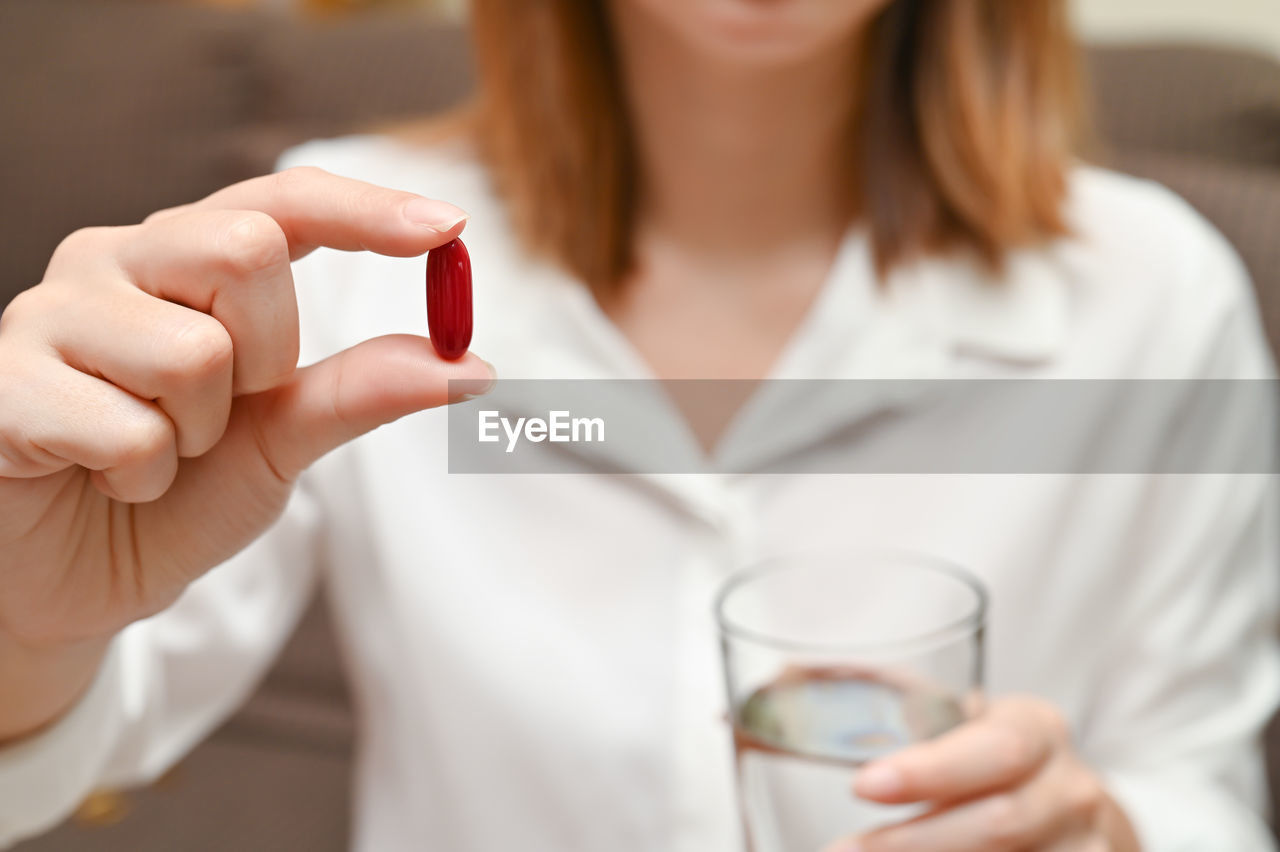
x=449, y=299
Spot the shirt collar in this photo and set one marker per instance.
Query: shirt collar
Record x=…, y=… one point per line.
x=1020, y=314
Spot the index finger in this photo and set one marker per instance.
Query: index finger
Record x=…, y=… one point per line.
x=994, y=752
x=316, y=208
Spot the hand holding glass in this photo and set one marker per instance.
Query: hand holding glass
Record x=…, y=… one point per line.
x=832, y=662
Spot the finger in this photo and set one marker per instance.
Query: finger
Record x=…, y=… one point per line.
x=997, y=750
x=166, y=213
x=987, y=825
x=62, y=417
x=1027, y=817
x=378, y=381
x=316, y=208
x=177, y=357
x=1083, y=840
x=233, y=265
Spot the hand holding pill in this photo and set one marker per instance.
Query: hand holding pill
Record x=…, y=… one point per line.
x=150, y=384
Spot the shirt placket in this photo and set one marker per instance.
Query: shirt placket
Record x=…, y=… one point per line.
x=703, y=790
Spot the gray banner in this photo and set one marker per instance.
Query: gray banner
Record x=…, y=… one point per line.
x=868, y=426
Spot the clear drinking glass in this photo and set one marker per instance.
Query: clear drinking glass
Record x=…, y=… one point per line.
x=834, y=661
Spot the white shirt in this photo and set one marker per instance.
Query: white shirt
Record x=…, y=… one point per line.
x=534, y=656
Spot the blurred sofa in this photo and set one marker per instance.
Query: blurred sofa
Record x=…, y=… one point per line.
x=109, y=110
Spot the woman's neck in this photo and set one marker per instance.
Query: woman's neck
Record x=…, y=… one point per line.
x=736, y=162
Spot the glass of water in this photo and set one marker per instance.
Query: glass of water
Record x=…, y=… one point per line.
x=832, y=662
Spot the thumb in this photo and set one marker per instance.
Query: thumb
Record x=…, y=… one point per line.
x=341, y=398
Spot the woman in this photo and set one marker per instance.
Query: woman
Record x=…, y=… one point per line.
x=658, y=188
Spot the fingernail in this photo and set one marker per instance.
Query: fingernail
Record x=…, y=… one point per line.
x=879, y=780
x=439, y=216
x=461, y=390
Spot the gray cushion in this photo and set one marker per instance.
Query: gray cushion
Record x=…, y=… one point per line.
x=110, y=111
x=232, y=794
x=1215, y=103
x=326, y=78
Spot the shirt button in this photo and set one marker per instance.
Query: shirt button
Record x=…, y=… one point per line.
x=103, y=808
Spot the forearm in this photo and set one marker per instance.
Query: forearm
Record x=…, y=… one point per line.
x=40, y=684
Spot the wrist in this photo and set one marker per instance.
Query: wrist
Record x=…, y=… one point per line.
x=42, y=683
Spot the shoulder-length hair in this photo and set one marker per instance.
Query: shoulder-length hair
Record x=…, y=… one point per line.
x=969, y=112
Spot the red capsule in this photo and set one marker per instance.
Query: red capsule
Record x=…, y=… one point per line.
x=449, y=299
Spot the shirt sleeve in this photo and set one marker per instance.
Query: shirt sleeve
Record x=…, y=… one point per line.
x=167, y=681
x=1193, y=672
x=1196, y=677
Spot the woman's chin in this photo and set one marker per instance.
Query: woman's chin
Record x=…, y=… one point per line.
x=763, y=32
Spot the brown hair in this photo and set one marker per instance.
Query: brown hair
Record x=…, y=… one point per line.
x=969, y=112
